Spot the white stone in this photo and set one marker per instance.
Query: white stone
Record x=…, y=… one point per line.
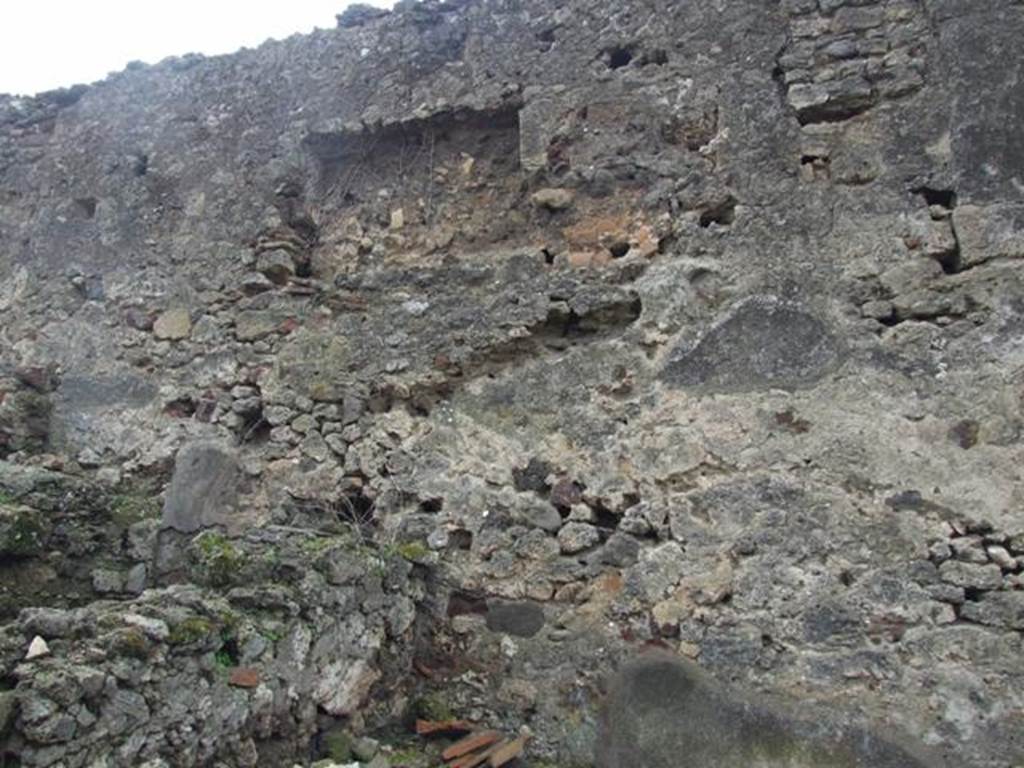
x=37, y=648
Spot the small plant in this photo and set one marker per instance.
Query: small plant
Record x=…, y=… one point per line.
x=338, y=746
x=272, y=636
x=219, y=558
x=226, y=657
x=431, y=707
x=406, y=757
x=22, y=534
x=222, y=659
x=317, y=545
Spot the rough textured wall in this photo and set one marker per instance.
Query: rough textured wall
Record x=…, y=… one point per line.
x=693, y=324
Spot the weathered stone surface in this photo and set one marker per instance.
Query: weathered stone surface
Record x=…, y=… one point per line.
x=552, y=199
x=174, y=324
x=663, y=712
x=24, y=417
x=519, y=619
x=576, y=537
x=997, y=609
x=204, y=488
x=764, y=342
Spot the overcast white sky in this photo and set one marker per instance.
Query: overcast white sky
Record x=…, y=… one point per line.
x=47, y=44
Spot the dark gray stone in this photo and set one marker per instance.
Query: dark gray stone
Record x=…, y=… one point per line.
x=359, y=14
x=996, y=609
x=764, y=342
x=540, y=514
x=520, y=619
x=8, y=710
x=620, y=550
x=204, y=488
x=981, y=59
x=665, y=713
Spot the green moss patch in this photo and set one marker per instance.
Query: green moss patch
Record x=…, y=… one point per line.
x=220, y=562
x=23, y=532
x=190, y=631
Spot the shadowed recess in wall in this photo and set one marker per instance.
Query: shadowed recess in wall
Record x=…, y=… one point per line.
x=353, y=165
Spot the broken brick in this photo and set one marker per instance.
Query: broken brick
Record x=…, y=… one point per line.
x=470, y=743
x=244, y=677
x=506, y=752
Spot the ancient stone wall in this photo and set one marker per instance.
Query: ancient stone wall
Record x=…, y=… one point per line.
x=481, y=345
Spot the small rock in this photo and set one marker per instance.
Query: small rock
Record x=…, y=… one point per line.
x=284, y=435
x=969, y=549
x=174, y=324
x=277, y=265
x=539, y=514
x=351, y=409
x=552, y=199
x=110, y=476
x=106, y=581
x=359, y=14
x=566, y=493
x=947, y=593
x=581, y=513
x=438, y=539
x=255, y=283
x=1002, y=558
x=246, y=406
x=276, y=415
x=336, y=443
x=620, y=550
x=156, y=629
x=314, y=446
x=970, y=575
x=576, y=537
x=635, y=523
x=522, y=619
x=997, y=609
x=88, y=458
x=365, y=749
x=37, y=648
x=137, y=319
x=668, y=613
x=939, y=552
x=304, y=423
x=49, y=622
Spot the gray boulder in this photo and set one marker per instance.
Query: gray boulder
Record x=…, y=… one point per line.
x=665, y=713
x=204, y=488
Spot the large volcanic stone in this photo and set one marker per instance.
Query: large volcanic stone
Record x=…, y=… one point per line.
x=204, y=488
x=665, y=713
x=764, y=342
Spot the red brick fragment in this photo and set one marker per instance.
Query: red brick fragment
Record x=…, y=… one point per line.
x=244, y=677
x=470, y=743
